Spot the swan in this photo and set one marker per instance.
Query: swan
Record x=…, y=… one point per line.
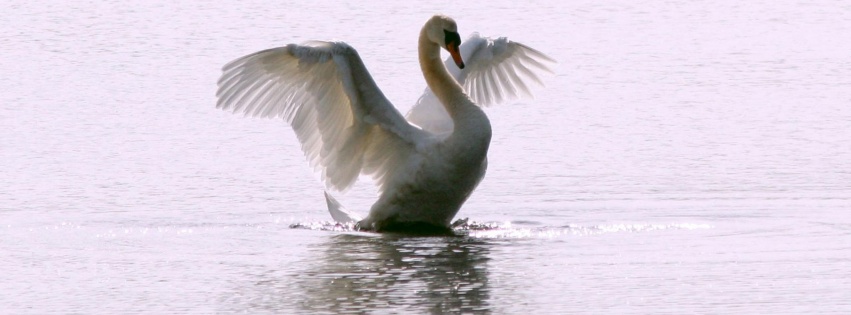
x=427, y=164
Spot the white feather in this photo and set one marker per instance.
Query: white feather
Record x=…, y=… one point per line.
x=498, y=70
x=343, y=121
x=348, y=128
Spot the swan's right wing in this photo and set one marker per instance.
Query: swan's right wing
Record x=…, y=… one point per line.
x=497, y=70
x=344, y=123
x=339, y=213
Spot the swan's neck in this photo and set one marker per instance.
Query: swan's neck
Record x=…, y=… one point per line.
x=471, y=134
x=444, y=86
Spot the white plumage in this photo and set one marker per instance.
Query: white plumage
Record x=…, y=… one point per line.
x=347, y=127
x=497, y=70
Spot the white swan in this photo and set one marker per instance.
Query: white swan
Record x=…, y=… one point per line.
x=346, y=126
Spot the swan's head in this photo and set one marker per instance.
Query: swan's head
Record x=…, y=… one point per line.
x=443, y=31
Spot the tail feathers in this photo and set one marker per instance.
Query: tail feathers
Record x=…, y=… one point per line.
x=338, y=212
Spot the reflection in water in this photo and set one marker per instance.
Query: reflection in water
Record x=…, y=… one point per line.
x=353, y=273
x=446, y=274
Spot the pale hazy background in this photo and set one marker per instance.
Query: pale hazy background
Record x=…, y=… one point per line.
x=686, y=157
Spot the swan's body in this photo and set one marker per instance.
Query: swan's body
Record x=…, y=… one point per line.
x=347, y=127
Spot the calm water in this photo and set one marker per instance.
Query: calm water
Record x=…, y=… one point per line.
x=687, y=157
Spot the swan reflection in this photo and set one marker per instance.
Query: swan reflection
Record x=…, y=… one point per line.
x=396, y=273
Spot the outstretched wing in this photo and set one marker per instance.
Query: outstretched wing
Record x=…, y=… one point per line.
x=497, y=70
x=344, y=123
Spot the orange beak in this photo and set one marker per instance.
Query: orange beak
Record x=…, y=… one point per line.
x=456, y=55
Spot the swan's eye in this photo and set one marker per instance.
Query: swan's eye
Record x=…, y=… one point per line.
x=452, y=38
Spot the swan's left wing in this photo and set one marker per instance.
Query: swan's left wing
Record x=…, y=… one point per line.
x=344, y=123
x=497, y=70
x=500, y=70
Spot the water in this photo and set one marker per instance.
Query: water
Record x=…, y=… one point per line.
x=687, y=157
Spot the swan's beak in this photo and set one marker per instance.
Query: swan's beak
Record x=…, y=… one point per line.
x=456, y=55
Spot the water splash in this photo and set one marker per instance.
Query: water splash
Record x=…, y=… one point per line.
x=325, y=226
x=465, y=227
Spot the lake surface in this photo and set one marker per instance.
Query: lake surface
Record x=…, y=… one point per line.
x=686, y=157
